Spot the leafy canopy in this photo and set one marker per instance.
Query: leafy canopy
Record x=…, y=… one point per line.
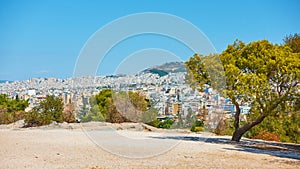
x=260, y=73
x=50, y=109
x=11, y=110
x=120, y=107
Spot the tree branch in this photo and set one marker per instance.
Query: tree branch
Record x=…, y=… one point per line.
x=248, y=126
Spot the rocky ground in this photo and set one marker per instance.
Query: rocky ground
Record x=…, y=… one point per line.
x=132, y=145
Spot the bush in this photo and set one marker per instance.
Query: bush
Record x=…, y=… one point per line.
x=198, y=126
x=49, y=110
x=69, y=117
x=118, y=107
x=154, y=123
x=166, y=124
x=10, y=117
x=33, y=119
x=11, y=110
x=285, y=125
x=69, y=113
x=265, y=135
x=197, y=129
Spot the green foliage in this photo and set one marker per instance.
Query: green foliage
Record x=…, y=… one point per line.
x=33, y=119
x=197, y=129
x=99, y=107
x=154, y=123
x=293, y=41
x=259, y=73
x=82, y=114
x=285, y=126
x=166, y=124
x=138, y=101
x=50, y=109
x=159, y=72
x=198, y=126
x=11, y=110
x=205, y=70
x=197, y=75
x=119, y=107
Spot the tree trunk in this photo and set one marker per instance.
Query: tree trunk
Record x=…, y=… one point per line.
x=238, y=133
x=237, y=115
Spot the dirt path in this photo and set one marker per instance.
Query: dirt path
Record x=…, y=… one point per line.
x=65, y=148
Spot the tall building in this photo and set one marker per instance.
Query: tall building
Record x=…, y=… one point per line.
x=177, y=108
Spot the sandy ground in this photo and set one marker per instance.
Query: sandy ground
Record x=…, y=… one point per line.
x=106, y=147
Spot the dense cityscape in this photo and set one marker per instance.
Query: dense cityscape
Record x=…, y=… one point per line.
x=170, y=92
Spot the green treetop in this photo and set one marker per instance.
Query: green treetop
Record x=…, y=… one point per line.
x=259, y=73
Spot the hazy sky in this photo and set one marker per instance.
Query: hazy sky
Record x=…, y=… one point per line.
x=41, y=38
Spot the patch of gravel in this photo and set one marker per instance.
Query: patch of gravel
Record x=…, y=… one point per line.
x=95, y=126
x=63, y=145
x=16, y=125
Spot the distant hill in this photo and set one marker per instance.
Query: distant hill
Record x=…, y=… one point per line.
x=166, y=68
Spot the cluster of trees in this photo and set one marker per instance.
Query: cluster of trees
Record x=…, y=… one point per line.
x=130, y=106
x=263, y=74
x=119, y=107
x=11, y=110
x=49, y=110
x=107, y=106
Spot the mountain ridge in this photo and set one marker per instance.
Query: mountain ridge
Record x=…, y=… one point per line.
x=166, y=68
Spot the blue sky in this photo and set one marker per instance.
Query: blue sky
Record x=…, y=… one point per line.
x=41, y=38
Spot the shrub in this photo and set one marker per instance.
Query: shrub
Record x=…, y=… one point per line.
x=49, y=110
x=166, y=124
x=69, y=113
x=69, y=117
x=11, y=110
x=154, y=123
x=118, y=107
x=32, y=119
x=198, y=126
x=197, y=129
x=265, y=135
x=10, y=117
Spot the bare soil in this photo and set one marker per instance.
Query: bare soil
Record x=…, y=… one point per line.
x=96, y=145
